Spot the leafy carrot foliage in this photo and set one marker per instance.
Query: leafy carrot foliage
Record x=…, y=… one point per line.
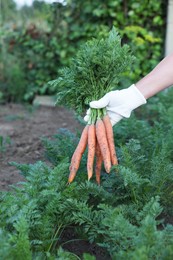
x=95, y=70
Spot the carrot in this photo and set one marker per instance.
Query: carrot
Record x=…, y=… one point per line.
x=110, y=138
x=77, y=155
x=102, y=140
x=99, y=161
x=91, y=149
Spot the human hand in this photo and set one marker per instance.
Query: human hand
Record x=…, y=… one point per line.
x=119, y=103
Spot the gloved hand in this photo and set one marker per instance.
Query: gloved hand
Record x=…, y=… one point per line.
x=119, y=103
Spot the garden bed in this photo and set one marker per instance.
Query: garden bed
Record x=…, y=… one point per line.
x=21, y=128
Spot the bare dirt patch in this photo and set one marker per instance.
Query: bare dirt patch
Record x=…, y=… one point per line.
x=21, y=129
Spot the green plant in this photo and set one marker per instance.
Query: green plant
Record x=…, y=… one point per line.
x=143, y=43
x=12, y=81
x=142, y=26
x=38, y=64
x=34, y=214
x=124, y=215
x=4, y=142
x=95, y=70
x=40, y=49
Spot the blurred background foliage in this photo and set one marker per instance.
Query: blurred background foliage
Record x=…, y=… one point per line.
x=36, y=41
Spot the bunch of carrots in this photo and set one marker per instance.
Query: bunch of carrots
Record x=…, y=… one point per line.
x=95, y=70
x=98, y=136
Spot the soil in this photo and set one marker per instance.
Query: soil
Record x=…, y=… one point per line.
x=70, y=241
x=21, y=129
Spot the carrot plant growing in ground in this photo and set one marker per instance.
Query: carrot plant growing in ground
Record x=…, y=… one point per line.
x=120, y=216
x=124, y=215
x=95, y=70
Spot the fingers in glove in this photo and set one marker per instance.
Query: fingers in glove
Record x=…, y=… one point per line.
x=87, y=116
x=103, y=102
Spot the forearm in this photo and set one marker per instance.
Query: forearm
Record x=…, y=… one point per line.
x=158, y=79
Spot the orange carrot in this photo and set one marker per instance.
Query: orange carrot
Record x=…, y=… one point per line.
x=98, y=165
x=110, y=138
x=91, y=149
x=76, y=158
x=102, y=140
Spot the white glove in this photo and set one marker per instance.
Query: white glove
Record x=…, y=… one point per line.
x=119, y=103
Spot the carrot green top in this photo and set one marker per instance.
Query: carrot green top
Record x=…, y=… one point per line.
x=94, y=71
